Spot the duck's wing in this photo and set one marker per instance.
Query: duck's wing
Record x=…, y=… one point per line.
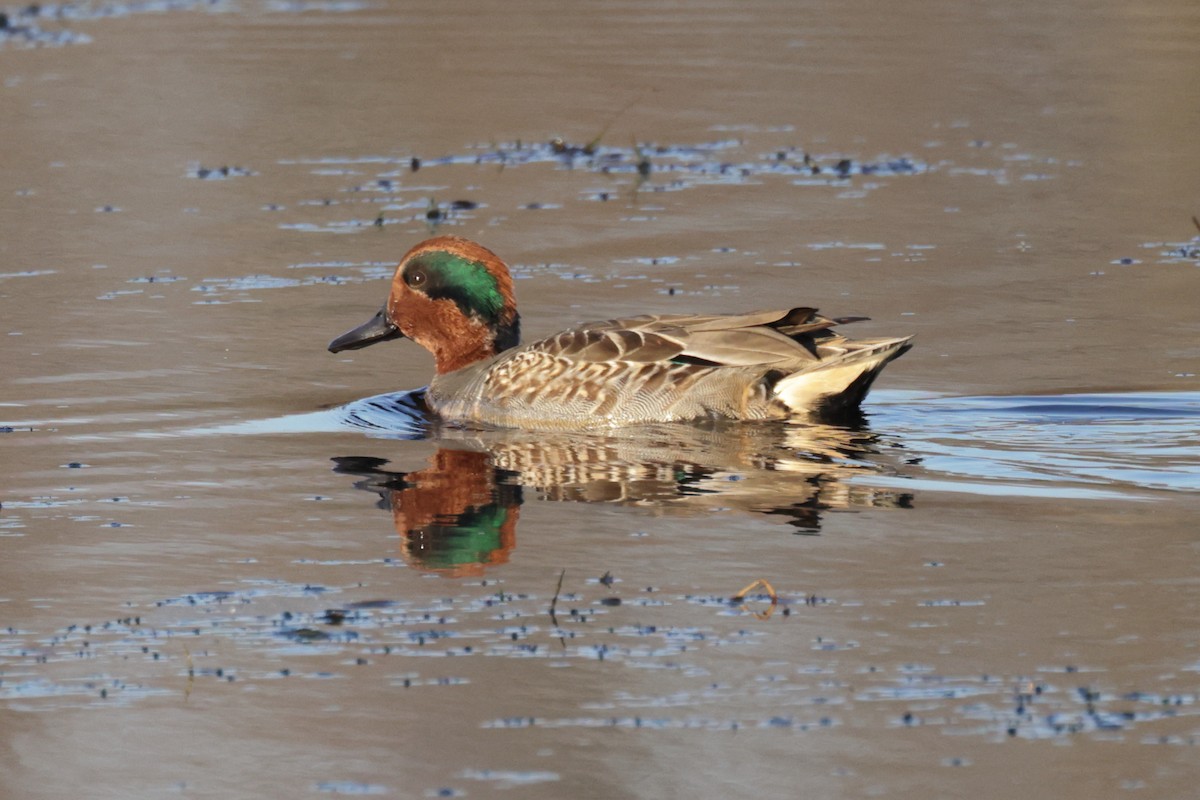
x=646, y=369
x=761, y=338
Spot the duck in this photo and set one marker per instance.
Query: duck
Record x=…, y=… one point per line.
x=454, y=297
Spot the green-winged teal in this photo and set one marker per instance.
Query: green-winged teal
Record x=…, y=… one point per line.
x=455, y=298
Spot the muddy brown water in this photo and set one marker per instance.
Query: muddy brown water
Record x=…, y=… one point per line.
x=226, y=571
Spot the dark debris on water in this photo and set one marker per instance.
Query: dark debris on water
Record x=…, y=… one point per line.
x=695, y=160
x=496, y=622
x=218, y=173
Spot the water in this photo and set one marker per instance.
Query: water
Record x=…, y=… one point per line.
x=1119, y=441
x=262, y=567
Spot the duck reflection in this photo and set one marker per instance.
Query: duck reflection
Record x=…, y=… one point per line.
x=459, y=514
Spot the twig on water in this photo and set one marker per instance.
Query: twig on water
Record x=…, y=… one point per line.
x=187, y=691
x=740, y=597
x=591, y=147
x=554, y=604
x=554, y=600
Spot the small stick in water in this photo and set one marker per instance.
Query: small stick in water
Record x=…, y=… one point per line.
x=740, y=597
x=554, y=600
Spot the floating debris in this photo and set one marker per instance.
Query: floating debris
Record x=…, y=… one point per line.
x=218, y=173
x=740, y=598
x=18, y=28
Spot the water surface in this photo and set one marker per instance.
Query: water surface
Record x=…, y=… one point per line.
x=232, y=564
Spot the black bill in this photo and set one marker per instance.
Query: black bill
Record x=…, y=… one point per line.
x=377, y=329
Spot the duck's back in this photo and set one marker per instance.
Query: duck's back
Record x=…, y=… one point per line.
x=661, y=369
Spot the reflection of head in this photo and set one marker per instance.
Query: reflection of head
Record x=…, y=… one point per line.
x=454, y=517
x=459, y=544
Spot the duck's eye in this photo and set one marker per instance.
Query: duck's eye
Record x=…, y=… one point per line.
x=415, y=277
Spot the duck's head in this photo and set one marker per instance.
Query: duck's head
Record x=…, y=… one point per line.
x=451, y=296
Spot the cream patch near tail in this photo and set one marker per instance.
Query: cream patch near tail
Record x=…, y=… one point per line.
x=840, y=381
